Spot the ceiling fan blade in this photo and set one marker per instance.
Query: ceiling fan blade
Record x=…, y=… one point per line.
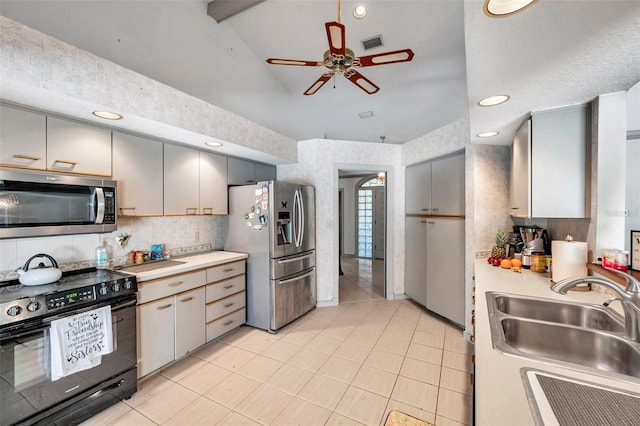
x=404, y=55
x=361, y=81
x=335, y=35
x=276, y=61
x=318, y=84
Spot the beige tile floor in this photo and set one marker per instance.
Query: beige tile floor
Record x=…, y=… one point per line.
x=345, y=365
x=363, y=279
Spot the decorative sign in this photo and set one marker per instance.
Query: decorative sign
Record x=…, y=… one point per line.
x=635, y=250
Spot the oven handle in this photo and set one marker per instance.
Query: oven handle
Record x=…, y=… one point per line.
x=43, y=324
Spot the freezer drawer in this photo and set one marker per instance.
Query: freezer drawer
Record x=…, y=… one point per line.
x=292, y=297
x=290, y=265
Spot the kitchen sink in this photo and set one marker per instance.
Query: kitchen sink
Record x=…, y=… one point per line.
x=582, y=315
x=151, y=266
x=580, y=336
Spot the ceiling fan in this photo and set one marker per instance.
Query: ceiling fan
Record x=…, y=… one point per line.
x=341, y=60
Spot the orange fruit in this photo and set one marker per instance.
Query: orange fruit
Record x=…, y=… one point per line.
x=506, y=264
x=516, y=262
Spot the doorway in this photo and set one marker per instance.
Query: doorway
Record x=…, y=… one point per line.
x=362, y=216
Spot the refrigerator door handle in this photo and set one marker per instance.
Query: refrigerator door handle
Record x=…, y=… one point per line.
x=295, y=259
x=298, y=278
x=301, y=217
x=297, y=213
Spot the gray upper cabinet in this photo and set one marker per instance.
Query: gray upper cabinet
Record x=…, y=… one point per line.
x=137, y=167
x=74, y=147
x=23, y=139
x=264, y=172
x=213, y=184
x=245, y=172
x=550, y=171
x=436, y=187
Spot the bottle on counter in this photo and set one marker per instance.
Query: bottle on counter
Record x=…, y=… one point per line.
x=102, y=257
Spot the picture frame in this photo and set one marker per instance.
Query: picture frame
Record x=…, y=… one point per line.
x=635, y=250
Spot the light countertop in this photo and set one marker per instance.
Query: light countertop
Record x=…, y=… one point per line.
x=500, y=392
x=191, y=263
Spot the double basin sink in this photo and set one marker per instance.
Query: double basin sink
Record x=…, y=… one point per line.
x=583, y=336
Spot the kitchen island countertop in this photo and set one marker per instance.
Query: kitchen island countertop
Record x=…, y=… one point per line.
x=500, y=396
x=191, y=263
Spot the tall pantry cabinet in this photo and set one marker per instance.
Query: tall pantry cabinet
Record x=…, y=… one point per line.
x=434, y=229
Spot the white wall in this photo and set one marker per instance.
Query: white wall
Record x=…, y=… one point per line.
x=348, y=185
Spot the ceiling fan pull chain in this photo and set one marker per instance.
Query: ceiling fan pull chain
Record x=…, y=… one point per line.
x=338, y=10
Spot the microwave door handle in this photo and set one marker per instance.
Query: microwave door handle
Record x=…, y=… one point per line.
x=99, y=197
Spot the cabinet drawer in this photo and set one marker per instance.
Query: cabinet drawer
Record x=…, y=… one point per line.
x=225, y=288
x=225, y=306
x=226, y=323
x=174, y=284
x=227, y=270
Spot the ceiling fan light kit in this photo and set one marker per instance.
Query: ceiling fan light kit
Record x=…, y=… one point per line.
x=499, y=8
x=341, y=60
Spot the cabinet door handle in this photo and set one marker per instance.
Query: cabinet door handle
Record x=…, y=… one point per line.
x=423, y=221
x=226, y=305
x=25, y=157
x=126, y=208
x=192, y=210
x=70, y=163
x=176, y=284
x=160, y=308
x=430, y=222
x=187, y=299
x=207, y=210
x=515, y=208
x=227, y=287
x=435, y=209
x=227, y=270
x=425, y=210
x=229, y=322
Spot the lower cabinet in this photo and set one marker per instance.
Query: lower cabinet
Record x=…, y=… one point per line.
x=434, y=265
x=190, y=315
x=180, y=313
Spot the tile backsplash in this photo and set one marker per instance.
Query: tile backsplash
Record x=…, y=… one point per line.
x=179, y=234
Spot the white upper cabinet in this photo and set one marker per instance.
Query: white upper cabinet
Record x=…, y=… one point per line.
x=181, y=180
x=447, y=185
x=74, y=147
x=137, y=167
x=550, y=172
x=213, y=184
x=23, y=139
x=436, y=187
x=418, y=189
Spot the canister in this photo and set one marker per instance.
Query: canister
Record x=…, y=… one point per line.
x=538, y=262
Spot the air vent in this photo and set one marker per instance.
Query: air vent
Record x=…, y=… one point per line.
x=366, y=114
x=372, y=42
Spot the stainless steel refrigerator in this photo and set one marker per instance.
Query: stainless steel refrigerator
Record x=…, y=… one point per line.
x=274, y=222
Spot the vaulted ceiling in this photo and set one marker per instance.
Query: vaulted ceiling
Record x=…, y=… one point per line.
x=553, y=53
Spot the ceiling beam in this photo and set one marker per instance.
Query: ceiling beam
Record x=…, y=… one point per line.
x=224, y=9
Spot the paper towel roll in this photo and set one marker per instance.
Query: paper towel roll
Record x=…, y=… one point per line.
x=569, y=259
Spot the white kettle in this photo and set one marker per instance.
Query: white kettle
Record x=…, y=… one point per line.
x=40, y=274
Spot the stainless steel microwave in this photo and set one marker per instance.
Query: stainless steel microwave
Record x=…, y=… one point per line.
x=40, y=204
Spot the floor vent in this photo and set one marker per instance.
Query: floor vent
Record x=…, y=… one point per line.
x=372, y=42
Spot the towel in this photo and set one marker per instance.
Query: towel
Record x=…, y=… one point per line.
x=78, y=342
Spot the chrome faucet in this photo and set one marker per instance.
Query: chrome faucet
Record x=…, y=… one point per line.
x=630, y=298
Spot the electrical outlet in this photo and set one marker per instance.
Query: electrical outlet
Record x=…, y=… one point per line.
x=196, y=236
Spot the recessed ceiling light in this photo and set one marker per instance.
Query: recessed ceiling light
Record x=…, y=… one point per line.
x=487, y=134
x=493, y=100
x=107, y=115
x=359, y=11
x=214, y=144
x=498, y=8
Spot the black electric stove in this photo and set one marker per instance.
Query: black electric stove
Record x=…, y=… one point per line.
x=74, y=290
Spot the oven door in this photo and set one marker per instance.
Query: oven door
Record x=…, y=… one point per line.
x=25, y=385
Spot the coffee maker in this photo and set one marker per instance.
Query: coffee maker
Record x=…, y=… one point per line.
x=534, y=239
